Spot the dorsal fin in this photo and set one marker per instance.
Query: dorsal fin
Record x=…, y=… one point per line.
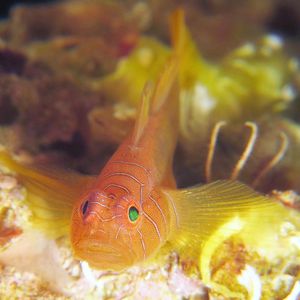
x=153, y=97
x=143, y=112
x=178, y=32
x=164, y=84
x=170, y=73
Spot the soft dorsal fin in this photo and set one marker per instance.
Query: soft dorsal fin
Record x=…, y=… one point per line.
x=179, y=32
x=153, y=97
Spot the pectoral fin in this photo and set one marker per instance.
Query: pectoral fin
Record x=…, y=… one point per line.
x=50, y=193
x=200, y=212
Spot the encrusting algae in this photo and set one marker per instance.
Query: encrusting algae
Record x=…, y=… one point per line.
x=147, y=238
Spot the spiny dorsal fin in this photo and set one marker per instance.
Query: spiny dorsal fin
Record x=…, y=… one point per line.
x=170, y=73
x=153, y=97
x=143, y=113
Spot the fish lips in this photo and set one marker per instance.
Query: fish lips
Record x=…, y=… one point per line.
x=102, y=256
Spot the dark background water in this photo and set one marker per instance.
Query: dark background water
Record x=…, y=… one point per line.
x=6, y=5
x=285, y=19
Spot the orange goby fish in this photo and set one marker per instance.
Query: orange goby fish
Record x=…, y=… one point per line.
x=133, y=210
x=123, y=218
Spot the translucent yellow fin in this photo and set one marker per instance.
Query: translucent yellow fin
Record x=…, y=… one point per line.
x=202, y=211
x=50, y=193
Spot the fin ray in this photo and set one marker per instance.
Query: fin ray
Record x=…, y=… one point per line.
x=203, y=210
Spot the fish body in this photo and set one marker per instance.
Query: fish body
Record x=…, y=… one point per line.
x=122, y=220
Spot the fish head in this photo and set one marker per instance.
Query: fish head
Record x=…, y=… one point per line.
x=105, y=230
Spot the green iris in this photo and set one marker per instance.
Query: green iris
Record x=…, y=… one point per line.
x=133, y=214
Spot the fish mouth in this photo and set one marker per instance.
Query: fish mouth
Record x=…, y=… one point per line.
x=102, y=256
x=95, y=249
x=104, y=250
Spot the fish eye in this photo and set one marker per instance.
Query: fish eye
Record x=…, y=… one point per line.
x=133, y=214
x=84, y=207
